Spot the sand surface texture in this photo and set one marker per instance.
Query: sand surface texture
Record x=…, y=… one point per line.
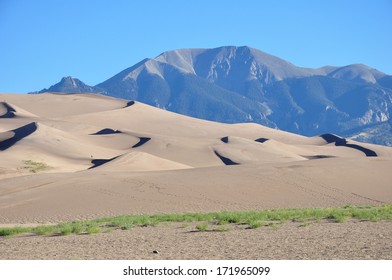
x=323, y=240
x=78, y=156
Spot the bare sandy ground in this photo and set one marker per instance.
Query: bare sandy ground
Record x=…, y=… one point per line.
x=48, y=198
x=81, y=156
x=324, y=240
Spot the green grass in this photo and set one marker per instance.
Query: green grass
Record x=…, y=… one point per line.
x=250, y=219
x=256, y=224
x=221, y=228
x=76, y=228
x=44, y=230
x=93, y=229
x=66, y=230
x=202, y=227
x=35, y=166
x=14, y=231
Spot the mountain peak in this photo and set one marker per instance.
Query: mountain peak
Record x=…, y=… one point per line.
x=358, y=73
x=226, y=62
x=69, y=84
x=242, y=84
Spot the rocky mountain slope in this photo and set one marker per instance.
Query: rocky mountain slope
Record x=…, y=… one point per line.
x=242, y=84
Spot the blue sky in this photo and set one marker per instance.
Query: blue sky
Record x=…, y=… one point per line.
x=44, y=40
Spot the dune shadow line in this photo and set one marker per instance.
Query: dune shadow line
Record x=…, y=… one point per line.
x=10, y=112
x=331, y=138
x=225, y=160
x=142, y=141
x=318, y=156
x=99, y=162
x=106, y=131
x=261, y=140
x=225, y=139
x=129, y=104
x=19, y=134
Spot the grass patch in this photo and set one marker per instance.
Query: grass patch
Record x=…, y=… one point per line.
x=35, y=166
x=14, y=231
x=93, y=230
x=45, y=230
x=202, y=227
x=251, y=219
x=66, y=230
x=221, y=228
x=256, y=224
x=76, y=228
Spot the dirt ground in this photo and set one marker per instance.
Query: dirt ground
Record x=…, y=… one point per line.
x=291, y=240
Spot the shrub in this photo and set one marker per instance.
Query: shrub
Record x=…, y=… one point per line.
x=35, y=166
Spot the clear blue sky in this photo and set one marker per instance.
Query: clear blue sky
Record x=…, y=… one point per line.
x=44, y=40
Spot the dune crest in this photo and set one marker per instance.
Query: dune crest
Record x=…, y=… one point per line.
x=17, y=135
x=106, y=131
x=338, y=141
x=8, y=110
x=138, y=161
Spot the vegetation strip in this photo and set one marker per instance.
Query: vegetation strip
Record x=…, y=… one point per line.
x=251, y=219
x=35, y=166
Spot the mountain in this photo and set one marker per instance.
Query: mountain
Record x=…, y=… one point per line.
x=378, y=133
x=71, y=85
x=243, y=84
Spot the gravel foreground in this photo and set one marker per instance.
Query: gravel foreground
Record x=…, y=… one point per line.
x=292, y=240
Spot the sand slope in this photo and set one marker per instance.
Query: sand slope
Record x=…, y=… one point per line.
x=104, y=156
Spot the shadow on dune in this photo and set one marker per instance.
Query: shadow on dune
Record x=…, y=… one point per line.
x=318, y=157
x=99, y=162
x=261, y=140
x=10, y=112
x=129, y=104
x=142, y=141
x=19, y=134
x=225, y=139
x=331, y=138
x=225, y=160
x=106, y=131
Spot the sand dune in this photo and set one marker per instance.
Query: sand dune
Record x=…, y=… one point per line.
x=106, y=131
x=139, y=161
x=142, y=141
x=77, y=156
x=17, y=135
x=8, y=110
x=59, y=150
x=241, y=150
x=339, y=141
x=54, y=105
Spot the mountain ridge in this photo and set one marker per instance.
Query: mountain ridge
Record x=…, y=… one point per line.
x=242, y=84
